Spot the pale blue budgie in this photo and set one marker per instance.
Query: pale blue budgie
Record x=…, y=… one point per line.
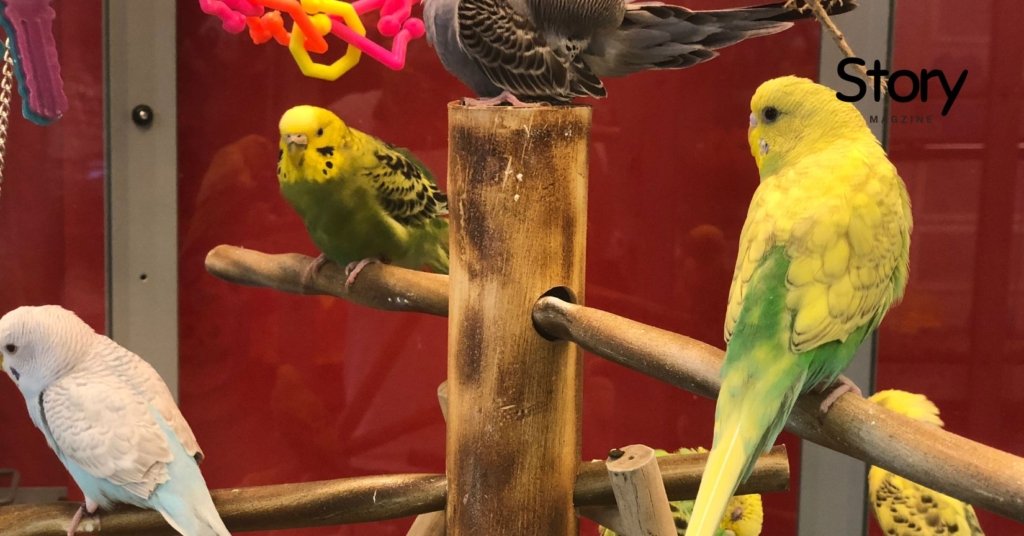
x=554, y=50
x=109, y=417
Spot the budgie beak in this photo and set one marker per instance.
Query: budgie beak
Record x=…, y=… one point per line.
x=296, y=143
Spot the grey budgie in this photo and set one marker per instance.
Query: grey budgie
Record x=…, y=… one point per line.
x=555, y=50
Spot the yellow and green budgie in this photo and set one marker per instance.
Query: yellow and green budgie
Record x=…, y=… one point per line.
x=743, y=517
x=822, y=256
x=361, y=199
x=904, y=508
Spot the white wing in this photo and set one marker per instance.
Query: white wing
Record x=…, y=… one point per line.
x=146, y=382
x=101, y=424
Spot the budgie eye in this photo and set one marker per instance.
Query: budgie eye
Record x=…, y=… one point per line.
x=770, y=114
x=319, y=132
x=11, y=348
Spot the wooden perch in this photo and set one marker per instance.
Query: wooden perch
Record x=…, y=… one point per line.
x=380, y=286
x=362, y=499
x=976, y=473
x=308, y=504
x=517, y=185
x=639, y=493
x=981, y=475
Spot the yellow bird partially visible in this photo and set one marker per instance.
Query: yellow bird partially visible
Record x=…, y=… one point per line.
x=904, y=508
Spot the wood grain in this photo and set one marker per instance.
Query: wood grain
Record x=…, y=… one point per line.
x=517, y=180
x=639, y=493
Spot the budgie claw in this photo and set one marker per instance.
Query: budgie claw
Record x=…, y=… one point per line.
x=841, y=386
x=312, y=269
x=354, y=268
x=504, y=98
x=90, y=508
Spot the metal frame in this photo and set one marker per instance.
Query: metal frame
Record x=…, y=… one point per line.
x=142, y=185
x=833, y=486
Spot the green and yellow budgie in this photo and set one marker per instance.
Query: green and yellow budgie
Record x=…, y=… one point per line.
x=823, y=255
x=743, y=517
x=904, y=508
x=361, y=199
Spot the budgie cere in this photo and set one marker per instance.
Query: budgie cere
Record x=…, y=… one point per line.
x=109, y=417
x=823, y=254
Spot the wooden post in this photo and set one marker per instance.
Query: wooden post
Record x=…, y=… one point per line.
x=639, y=492
x=518, y=200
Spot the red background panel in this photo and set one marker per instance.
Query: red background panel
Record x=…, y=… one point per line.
x=286, y=388
x=51, y=220
x=283, y=388
x=958, y=337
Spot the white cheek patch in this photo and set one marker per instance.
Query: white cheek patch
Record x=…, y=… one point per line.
x=763, y=145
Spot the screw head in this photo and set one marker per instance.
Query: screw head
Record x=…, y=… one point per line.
x=615, y=454
x=142, y=115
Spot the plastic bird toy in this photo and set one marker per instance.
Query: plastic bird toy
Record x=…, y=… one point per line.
x=29, y=26
x=312, y=20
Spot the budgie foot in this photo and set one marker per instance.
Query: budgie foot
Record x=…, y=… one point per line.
x=841, y=386
x=504, y=98
x=353, y=269
x=312, y=269
x=89, y=507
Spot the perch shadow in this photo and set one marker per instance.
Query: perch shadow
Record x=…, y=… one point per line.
x=981, y=475
x=363, y=499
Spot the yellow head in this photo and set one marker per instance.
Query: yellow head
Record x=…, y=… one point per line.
x=309, y=139
x=915, y=406
x=744, y=516
x=793, y=117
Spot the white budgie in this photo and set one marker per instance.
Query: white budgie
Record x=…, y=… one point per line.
x=109, y=417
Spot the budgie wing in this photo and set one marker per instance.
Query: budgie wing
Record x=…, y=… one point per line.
x=405, y=188
x=103, y=426
x=515, y=56
x=846, y=238
x=146, y=382
x=905, y=508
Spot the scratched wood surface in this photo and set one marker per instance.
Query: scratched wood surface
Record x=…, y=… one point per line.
x=517, y=181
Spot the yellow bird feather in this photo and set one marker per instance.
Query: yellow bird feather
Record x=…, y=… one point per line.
x=904, y=508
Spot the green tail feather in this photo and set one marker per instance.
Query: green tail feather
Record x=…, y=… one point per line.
x=761, y=380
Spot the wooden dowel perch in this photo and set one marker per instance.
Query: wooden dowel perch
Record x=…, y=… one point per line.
x=283, y=506
x=639, y=493
x=517, y=184
x=363, y=499
x=979, y=474
x=380, y=286
x=987, y=478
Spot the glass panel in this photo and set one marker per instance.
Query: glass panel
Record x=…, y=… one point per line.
x=289, y=388
x=51, y=220
x=957, y=337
